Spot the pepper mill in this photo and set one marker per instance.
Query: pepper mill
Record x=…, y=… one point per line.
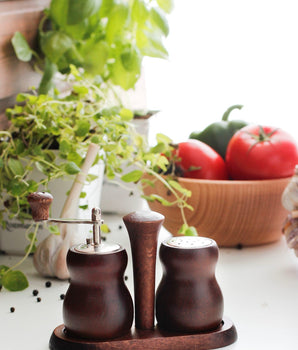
x=188, y=298
x=143, y=228
x=97, y=304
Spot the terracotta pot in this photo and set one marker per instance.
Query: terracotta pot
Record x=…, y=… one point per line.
x=230, y=212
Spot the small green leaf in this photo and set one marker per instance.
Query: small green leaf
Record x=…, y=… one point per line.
x=46, y=83
x=166, y=5
x=131, y=59
x=161, y=138
x=126, y=114
x=64, y=146
x=83, y=207
x=176, y=185
x=71, y=168
x=161, y=200
x=191, y=231
x=132, y=176
x=15, y=166
x=83, y=127
x=55, y=44
x=14, y=281
x=3, y=269
x=83, y=194
x=58, y=9
x=54, y=229
x=160, y=20
x=21, y=47
x=117, y=20
x=78, y=10
x=105, y=228
x=139, y=12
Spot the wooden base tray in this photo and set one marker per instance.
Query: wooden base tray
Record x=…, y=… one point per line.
x=156, y=339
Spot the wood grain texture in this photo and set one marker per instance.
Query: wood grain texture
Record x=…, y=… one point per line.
x=188, y=298
x=143, y=228
x=230, y=212
x=97, y=304
x=155, y=339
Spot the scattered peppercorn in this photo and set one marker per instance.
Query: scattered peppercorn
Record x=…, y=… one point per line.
x=35, y=292
x=38, y=299
x=120, y=227
x=131, y=193
x=104, y=238
x=126, y=278
x=12, y=309
x=239, y=246
x=48, y=284
x=62, y=296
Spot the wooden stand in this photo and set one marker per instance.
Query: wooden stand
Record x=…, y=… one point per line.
x=155, y=339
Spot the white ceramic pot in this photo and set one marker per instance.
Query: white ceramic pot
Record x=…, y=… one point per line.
x=13, y=240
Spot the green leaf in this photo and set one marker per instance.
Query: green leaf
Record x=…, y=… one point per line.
x=58, y=9
x=160, y=20
x=126, y=114
x=151, y=45
x=78, y=10
x=191, y=231
x=71, y=168
x=54, y=229
x=161, y=200
x=117, y=20
x=14, y=281
x=1, y=163
x=95, y=55
x=131, y=59
x=105, y=228
x=176, y=185
x=54, y=44
x=83, y=207
x=122, y=77
x=46, y=83
x=64, y=146
x=15, y=166
x=3, y=269
x=139, y=12
x=166, y=5
x=83, y=127
x=21, y=47
x=132, y=176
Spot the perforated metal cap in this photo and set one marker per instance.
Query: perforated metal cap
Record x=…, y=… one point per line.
x=189, y=242
x=103, y=248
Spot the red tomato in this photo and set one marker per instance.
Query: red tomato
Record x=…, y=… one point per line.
x=206, y=162
x=255, y=153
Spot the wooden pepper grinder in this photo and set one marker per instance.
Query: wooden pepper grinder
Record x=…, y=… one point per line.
x=97, y=304
x=143, y=228
x=188, y=298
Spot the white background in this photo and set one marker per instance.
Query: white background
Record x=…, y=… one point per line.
x=225, y=52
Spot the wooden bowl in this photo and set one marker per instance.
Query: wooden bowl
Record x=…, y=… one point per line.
x=230, y=212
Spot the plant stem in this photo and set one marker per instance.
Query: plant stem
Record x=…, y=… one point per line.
x=30, y=247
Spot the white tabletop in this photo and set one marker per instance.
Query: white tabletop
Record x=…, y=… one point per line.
x=259, y=285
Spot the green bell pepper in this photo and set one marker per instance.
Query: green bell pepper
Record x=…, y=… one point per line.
x=217, y=135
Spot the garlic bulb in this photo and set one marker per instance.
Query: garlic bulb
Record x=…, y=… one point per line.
x=290, y=195
x=290, y=202
x=50, y=256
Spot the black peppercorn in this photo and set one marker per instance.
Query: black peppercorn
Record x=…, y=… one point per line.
x=62, y=296
x=48, y=284
x=12, y=309
x=35, y=292
x=38, y=299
